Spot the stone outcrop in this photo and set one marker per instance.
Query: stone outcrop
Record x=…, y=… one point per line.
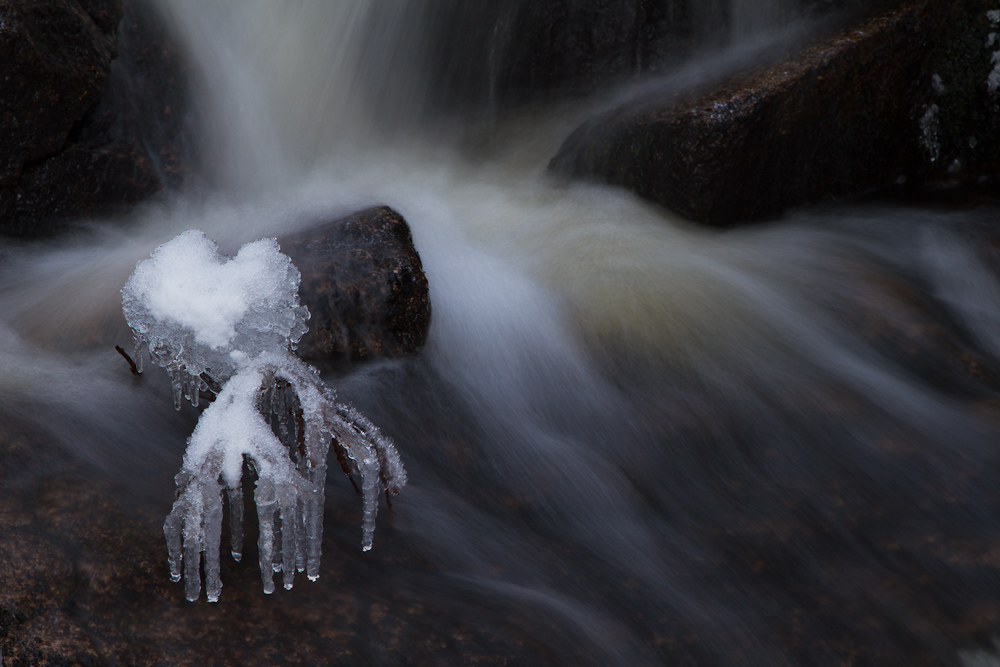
x=364, y=286
x=56, y=56
x=900, y=96
x=82, y=132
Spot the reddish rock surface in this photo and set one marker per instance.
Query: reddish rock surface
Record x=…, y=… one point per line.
x=364, y=286
x=85, y=582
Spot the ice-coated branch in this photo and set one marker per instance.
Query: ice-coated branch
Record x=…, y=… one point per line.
x=274, y=413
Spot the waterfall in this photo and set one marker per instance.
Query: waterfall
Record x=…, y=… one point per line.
x=629, y=440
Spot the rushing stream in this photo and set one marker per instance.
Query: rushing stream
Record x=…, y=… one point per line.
x=629, y=440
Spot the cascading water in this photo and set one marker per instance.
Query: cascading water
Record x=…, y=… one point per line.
x=629, y=440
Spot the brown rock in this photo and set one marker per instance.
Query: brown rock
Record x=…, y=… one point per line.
x=850, y=113
x=364, y=286
x=84, y=581
x=55, y=58
x=122, y=137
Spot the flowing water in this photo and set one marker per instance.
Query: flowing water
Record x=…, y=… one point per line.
x=629, y=440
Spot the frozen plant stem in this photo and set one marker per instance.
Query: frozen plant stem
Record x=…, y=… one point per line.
x=237, y=320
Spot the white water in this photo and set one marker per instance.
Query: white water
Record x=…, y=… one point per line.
x=621, y=382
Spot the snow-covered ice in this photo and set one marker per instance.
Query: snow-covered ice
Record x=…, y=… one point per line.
x=209, y=319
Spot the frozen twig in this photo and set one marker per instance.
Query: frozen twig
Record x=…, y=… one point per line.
x=203, y=317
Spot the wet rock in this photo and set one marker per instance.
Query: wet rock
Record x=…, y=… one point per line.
x=580, y=45
x=477, y=58
x=364, y=285
x=85, y=582
x=55, y=57
x=577, y=46
x=100, y=133
x=862, y=109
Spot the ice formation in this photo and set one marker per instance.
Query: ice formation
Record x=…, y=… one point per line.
x=993, y=79
x=929, y=127
x=211, y=320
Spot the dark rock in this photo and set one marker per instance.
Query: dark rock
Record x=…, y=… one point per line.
x=148, y=95
x=105, y=13
x=364, y=286
x=127, y=135
x=85, y=582
x=498, y=55
x=577, y=46
x=855, y=111
x=55, y=58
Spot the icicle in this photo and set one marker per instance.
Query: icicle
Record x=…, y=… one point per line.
x=177, y=383
x=236, y=521
x=276, y=554
x=172, y=531
x=300, y=535
x=265, y=500
x=138, y=352
x=213, y=537
x=194, y=544
x=369, y=499
x=194, y=391
x=391, y=468
x=286, y=500
x=314, y=530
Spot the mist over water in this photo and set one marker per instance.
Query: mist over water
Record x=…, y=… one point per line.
x=629, y=440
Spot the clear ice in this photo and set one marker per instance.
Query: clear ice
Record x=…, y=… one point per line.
x=212, y=321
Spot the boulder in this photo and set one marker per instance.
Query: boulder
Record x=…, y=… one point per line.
x=84, y=134
x=55, y=57
x=902, y=95
x=364, y=286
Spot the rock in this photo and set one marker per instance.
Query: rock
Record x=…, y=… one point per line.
x=85, y=582
x=364, y=286
x=577, y=46
x=122, y=137
x=897, y=97
x=496, y=56
x=148, y=94
x=55, y=58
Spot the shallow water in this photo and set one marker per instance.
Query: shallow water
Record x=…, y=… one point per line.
x=629, y=440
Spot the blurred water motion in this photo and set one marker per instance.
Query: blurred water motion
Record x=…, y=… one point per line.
x=630, y=441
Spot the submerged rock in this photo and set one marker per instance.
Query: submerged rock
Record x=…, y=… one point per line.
x=899, y=96
x=364, y=286
x=85, y=582
x=86, y=134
